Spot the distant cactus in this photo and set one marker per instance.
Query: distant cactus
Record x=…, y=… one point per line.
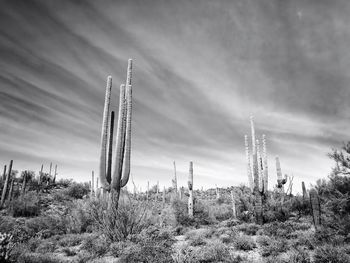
x=4, y=174
x=121, y=166
x=304, y=191
x=92, y=184
x=174, y=181
x=4, y=191
x=164, y=195
x=190, y=190
x=315, y=208
x=249, y=168
x=280, y=181
x=234, y=213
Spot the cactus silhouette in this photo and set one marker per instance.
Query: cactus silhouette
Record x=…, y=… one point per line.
x=315, y=208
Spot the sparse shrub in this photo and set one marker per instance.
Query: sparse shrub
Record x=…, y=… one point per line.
x=95, y=245
x=303, y=239
x=117, y=248
x=129, y=219
x=46, y=246
x=249, y=229
x=274, y=248
x=330, y=254
x=69, y=252
x=45, y=226
x=25, y=206
x=298, y=255
x=263, y=241
x=221, y=212
x=201, y=233
x=70, y=240
x=244, y=242
x=37, y=258
x=78, y=219
x=77, y=190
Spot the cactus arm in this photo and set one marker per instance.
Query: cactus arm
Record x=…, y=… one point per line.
x=104, y=135
x=127, y=151
x=254, y=155
x=119, y=149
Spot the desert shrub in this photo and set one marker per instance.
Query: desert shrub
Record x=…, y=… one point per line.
x=230, y=222
x=45, y=226
x=213, y=251
x=37, y=258
x=25, y=206
x=221, y=212
x=201, y=233
x=151, y=245
x=129, y=219
x=303, y=239
x=298, y=255
x=274, y=248
x=69, y=252
x=46, y=246
x=70, y=240
x=181, y=213
x=78, y=219
x=64, y=182
x=263, y=241
x=244, y=242
x=278, y=229
x=330, y=254
x=249, y=229
x=117, y=248
x=77, y=190
x=95, y=245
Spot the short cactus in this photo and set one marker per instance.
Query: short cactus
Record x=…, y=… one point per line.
x=4, y=191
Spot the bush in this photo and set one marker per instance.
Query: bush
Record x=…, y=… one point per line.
x=95, y=245
x=129, y=219
x=37, y=258
x=77, y=190
x=249, y=229
x=45, y=226
x=274, y=247
x=331, y=254
x=70, y=240
x=25, y=206
x=244, y=243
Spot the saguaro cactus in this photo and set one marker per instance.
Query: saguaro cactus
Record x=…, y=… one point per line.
x=55, y=175
x=234, y=213
x=164, y=195
x=92, y=183
x=315, y=208
x=217, y=192
x=304, y=191
x=121, y=166
x=258, y=170
x=190, y=190
x=4, y=191
x=174, y=181
x=4, y=174
x=249, y=168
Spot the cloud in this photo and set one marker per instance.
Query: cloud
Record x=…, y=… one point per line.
x=200, y=69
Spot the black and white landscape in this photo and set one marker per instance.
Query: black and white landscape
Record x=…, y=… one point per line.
x=175, y=131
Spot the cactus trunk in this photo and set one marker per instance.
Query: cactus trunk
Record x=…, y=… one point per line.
x=92, y=183
x=249, y=168
x=4, y=174
x=4, y=191
x=110, y=149
x=190, y=190
x=304, y=191
x=315, y=208
x=234, y=213
x=11, y=190
x=265, y=169
x=175, y=180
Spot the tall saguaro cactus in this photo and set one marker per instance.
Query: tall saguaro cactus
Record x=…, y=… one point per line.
x=258, y=171
x=304, y=191
x=121, y=167
x=234, y=213
x=190, y=190
x=315, y=208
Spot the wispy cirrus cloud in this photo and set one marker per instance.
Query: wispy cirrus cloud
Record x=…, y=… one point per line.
x=201, y=68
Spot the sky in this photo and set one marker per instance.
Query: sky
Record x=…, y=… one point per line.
x=201, y=68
